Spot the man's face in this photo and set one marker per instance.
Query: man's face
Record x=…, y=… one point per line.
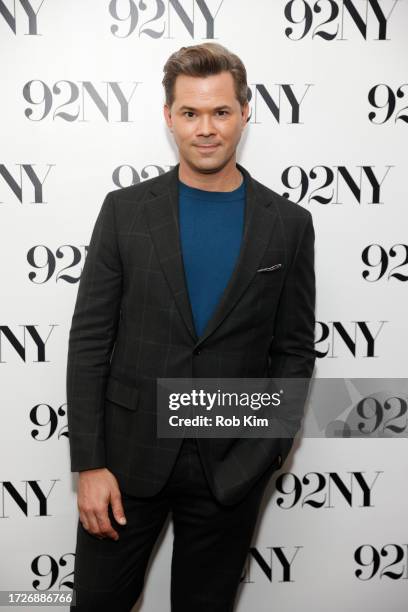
x=205, y=111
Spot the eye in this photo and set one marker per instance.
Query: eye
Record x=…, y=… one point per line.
x=190, y=113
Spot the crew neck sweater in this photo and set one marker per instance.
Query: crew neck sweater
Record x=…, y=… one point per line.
x=211, y=229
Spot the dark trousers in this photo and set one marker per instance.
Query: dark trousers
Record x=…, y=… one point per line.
x=210, y=546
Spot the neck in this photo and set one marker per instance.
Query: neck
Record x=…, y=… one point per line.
x=226, y=179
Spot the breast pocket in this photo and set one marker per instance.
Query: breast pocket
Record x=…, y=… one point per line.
x=271, y=278
x=122, y=393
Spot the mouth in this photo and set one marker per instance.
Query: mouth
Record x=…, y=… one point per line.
x=207, y=147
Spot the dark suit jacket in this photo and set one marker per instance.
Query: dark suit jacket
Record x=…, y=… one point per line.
x=133, y=323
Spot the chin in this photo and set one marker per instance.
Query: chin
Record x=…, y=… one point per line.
x=210, y=168
x=208, y=165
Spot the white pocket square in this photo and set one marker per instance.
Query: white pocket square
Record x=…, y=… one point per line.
x=270, y=268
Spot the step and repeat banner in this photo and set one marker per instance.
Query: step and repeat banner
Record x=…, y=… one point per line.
x=81, y=114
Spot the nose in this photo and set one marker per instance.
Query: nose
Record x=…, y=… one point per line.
x=205, y=127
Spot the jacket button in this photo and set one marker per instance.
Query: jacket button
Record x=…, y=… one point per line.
x=197, y=351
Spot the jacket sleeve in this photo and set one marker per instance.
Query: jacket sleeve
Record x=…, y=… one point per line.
x=292, y=353
x=91, y=340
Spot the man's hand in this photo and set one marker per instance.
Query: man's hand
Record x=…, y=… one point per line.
x=96, y=488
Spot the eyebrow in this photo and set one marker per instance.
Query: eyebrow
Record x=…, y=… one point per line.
x=191, y=108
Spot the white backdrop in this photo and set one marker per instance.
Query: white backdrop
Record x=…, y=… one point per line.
x=81, y=114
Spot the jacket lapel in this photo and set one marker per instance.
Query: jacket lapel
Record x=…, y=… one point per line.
x=163, y=221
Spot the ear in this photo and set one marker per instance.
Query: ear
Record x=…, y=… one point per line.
x=167, y=116
x=245, y=114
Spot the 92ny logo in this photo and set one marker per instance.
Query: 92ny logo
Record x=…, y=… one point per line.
x=324, y=185
x=330, y=20
x=151, y=18
x=113, y=104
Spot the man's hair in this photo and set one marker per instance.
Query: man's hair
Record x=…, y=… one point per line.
x=201, y=61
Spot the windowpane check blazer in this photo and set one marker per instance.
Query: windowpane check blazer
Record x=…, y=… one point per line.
x=132, y=323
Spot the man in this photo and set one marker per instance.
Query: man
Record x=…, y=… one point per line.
x=200, y=272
